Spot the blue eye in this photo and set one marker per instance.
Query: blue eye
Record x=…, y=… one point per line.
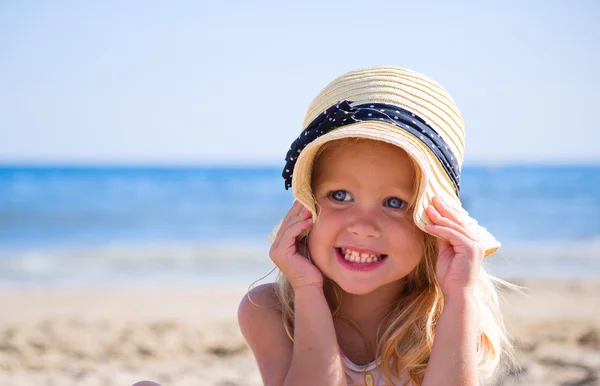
x=395, y=203
x=340, y=195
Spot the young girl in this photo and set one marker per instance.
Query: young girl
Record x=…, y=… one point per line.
x=381, y=278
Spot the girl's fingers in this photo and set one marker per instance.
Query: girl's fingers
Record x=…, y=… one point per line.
x=296, y=213
x=293, y=231
x=293, y=212
x=289, y=235
x=445, y=210
x=437, y=219
x=454, y=237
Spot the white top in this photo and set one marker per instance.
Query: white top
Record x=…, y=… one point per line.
x=369, y=374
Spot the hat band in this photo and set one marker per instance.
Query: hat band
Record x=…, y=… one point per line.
x=342, y=114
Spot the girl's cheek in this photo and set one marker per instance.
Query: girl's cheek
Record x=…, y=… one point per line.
x=324, y=228
x=329, y=218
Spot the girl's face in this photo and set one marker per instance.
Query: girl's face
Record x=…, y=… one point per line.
x=364, y=237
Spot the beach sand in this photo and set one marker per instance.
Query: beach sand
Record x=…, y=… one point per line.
x=185, y=336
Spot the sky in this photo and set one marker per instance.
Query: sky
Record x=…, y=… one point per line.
x=229, y=82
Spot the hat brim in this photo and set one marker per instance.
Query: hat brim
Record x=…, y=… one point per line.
x=434, y=181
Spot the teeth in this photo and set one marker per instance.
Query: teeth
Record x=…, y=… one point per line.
x=357, y=257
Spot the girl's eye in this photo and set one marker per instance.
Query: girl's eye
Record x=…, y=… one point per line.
x=394, y=203
x=340, y=195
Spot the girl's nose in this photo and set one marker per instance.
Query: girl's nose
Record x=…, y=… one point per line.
x=364, y=226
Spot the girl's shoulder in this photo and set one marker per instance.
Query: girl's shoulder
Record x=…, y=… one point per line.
x=263, y=296
x=261, y=324
x=259, y=313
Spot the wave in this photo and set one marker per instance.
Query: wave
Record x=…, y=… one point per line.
x=244, y=262
x=588, y=249
x=123, y=263
x=547, y=260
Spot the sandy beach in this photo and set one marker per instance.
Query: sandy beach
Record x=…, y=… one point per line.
x=189, y=336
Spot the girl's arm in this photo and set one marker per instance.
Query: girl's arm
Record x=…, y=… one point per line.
x=316, y=354
x=453, y=358
x=312, y=359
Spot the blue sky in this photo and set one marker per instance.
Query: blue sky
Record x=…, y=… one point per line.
x=177, y=82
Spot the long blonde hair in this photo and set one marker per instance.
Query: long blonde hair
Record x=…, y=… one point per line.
x=410, y=322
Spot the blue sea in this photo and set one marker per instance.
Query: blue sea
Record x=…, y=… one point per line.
x=104, y=226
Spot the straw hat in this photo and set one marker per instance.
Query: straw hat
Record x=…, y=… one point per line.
x=394, y=105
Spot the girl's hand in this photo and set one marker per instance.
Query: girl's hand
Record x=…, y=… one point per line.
x=459, y=253
x=289, y=255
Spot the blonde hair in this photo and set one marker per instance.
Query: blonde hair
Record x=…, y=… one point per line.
x=410, y=322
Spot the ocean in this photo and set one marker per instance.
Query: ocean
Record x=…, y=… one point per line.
x=106, y=226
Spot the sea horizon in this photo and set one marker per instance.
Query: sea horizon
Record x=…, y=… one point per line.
x=106, y=224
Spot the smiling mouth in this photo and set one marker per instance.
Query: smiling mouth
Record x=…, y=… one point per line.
x=361, y=258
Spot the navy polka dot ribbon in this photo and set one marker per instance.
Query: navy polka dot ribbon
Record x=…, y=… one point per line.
x=342, y=114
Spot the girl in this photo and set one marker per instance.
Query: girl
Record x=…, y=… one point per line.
x=380, y=266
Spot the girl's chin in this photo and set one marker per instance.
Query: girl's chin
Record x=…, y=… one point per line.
x=354, y=288
x=359, y=291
